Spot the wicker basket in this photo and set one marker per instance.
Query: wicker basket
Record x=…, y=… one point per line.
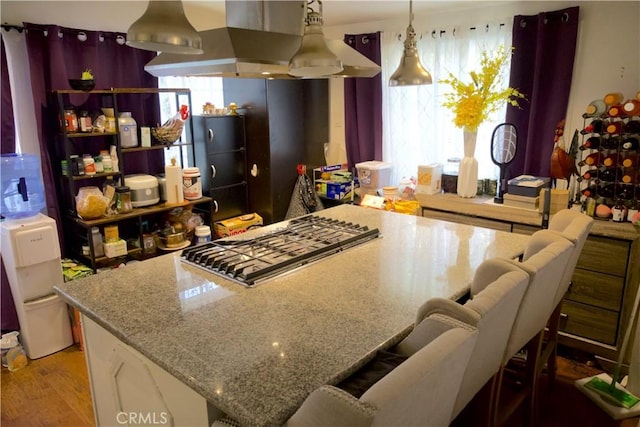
x=168, y=134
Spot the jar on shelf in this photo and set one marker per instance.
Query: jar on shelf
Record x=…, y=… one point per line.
x=123, y=199
x=128, y=130
x=89, y=164
x=84, y=121
x=70, y=119
x=99, y=165
x=192, y=185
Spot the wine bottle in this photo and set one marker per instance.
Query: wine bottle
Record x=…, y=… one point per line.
x=591, y=143
x=629, y=161
x=596, y=108
x=590, y=191
x=632, y=142
x=590, y=174
x=611, y=142
x=610, y=174
x=631, y=107
x=613, y=98
x=593, y=159
x=618, y=213
x=616, y=111
x=596, y=126
x=607, y=190
x=610, y=160
x=623, y=192
x=632, y=126
x=615, y=128
x=633, y=209
x=629, y=176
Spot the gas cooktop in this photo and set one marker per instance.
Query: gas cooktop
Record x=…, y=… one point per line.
x=302, y=241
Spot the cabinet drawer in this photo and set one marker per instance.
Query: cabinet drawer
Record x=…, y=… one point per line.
x=468, y=220
x=226, y=168
x=604, y=255
x=589, y=322
x=597, y=289
x=229, y=202
x=220, y=133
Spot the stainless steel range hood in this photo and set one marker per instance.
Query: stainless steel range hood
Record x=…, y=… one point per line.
x=258, y=41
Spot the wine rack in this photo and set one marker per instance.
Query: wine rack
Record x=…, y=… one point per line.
x=609, y=153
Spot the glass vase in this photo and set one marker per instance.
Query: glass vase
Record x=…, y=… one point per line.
x=468, y=174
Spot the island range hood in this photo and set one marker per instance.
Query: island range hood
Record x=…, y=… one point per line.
x=259, y=40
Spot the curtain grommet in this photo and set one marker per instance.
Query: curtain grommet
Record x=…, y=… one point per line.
x=82, y=36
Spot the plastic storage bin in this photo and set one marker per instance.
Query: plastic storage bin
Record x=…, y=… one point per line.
x=373, y=175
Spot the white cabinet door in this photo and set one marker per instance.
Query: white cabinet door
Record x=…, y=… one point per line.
x=129, y=389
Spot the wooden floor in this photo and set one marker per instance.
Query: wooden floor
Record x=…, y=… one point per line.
x=54, y=391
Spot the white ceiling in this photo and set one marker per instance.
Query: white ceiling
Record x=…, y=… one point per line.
x=117, y=15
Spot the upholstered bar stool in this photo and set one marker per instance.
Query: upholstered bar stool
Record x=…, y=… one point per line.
x=419, y=391
x=496, y=292
x=545, y=259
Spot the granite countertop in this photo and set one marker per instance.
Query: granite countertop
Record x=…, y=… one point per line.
x=483, y=207
x=257, y=353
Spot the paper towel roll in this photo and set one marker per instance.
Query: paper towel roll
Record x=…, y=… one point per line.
x=173, y=175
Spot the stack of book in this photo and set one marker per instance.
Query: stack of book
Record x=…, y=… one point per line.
x=524, y=191
x=525, y=202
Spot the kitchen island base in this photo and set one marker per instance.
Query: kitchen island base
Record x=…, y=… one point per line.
x=129, y=389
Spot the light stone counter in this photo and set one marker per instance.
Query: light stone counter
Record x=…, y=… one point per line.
x=257, y=353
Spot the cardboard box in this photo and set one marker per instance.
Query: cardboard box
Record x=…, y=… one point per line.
x=237, y=225
x=527, y=185
x=115, y=249
x=559, y=200
x=429, y=179
x=338, y=190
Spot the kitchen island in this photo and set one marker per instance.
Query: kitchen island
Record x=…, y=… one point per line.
x=254, y=354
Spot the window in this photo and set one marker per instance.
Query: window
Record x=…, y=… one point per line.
x=203, y=90
x=417, y=129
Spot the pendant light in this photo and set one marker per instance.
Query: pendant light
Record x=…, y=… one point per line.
x=314, y=58
x=410, y=72
x=164, y=28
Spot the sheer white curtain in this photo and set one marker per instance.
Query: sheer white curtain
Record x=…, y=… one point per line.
x=24, y=115
x=417, y=129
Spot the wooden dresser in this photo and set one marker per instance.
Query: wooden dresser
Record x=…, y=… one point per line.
x=596, y=309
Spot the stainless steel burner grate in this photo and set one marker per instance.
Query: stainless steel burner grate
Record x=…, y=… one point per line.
x=304, y=240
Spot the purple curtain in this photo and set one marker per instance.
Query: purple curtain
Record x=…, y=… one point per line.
x=57, y=54
x=541, y=68
x=363, y=105
x=9, y=317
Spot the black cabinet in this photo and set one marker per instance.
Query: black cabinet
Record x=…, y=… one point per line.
x=220, y=151
x=287, y=124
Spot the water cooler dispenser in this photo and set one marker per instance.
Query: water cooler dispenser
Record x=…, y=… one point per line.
x=31, y=257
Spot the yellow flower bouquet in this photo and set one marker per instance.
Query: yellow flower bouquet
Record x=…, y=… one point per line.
x=472, y=103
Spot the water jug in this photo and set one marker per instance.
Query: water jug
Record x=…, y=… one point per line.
x=21, y=186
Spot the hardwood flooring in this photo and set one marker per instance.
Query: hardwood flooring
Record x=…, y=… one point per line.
x=54, y=391
x=49, y=392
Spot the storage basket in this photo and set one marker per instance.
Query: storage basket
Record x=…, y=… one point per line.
x=168, y=133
